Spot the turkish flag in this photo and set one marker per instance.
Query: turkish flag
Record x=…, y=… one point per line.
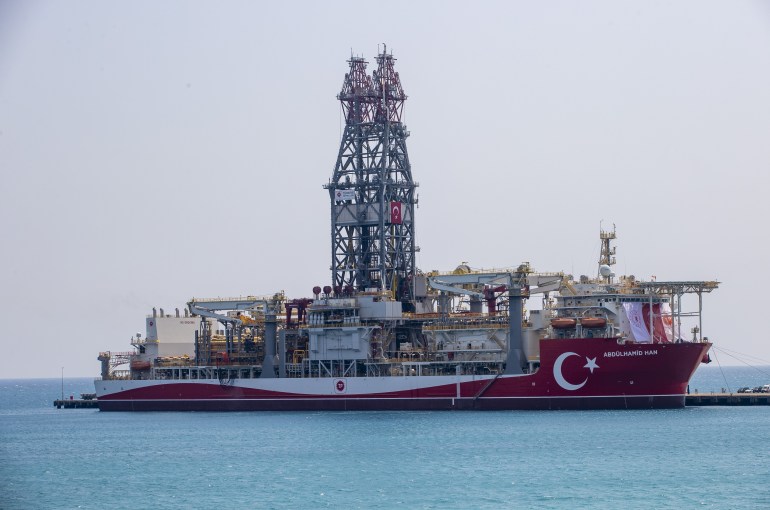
x=396, y=212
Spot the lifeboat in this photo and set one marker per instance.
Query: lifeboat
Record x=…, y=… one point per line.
x=138, y=364
x=563, y=323
x=593, y=322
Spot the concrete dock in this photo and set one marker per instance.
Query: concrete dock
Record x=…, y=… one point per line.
x=75, y=404
x=86, y=401
x=727, y=399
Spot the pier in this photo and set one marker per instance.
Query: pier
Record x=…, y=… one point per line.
x=727, y=399
x=86, y=401
x=76, y=404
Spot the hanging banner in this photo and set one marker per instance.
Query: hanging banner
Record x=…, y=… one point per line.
x=668, y=321
x=342, y=195
x=396, y=212
x=636, y=320
x=658, y=329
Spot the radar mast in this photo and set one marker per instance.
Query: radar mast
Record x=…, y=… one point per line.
x=607, y=256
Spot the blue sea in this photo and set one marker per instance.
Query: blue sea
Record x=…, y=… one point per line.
x=707, y=457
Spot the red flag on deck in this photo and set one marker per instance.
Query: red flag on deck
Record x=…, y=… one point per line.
x=396, y=212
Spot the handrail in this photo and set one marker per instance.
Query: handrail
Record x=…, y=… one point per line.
x=490, y=325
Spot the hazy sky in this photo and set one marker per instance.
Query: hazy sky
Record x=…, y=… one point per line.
x=155, y=151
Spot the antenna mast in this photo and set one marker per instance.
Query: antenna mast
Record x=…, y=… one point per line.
x=607, y=256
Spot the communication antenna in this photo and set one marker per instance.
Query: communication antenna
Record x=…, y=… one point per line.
x=607, y=256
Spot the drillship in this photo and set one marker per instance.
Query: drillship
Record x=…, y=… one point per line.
x=387, y=336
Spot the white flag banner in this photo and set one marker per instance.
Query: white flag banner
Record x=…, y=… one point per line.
x=636, y=319
x=341, y=195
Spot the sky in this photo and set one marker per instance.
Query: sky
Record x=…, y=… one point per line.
x=151, y=152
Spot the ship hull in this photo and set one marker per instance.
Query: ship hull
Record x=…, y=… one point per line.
x=595, y=373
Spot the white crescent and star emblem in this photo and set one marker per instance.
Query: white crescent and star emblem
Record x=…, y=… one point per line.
x=561, y=381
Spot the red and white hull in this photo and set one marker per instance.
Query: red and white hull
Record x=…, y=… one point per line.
x=587, y=373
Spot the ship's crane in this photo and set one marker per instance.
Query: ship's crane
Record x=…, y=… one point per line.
x=208, y=308
x=110, y=360
x=519, y=283
x=532, y=283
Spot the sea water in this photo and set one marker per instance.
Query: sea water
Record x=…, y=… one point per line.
x=712, y=457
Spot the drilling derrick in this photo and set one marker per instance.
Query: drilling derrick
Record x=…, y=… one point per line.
x=372, y=193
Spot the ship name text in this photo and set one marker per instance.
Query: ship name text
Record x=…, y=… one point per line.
x=638, y=352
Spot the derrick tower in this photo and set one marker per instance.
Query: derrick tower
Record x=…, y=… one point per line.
x=372, y=192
